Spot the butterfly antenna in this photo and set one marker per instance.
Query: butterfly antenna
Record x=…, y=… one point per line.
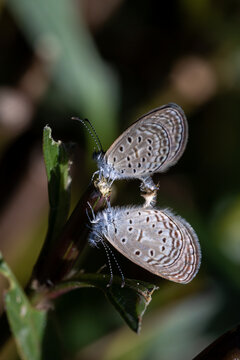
x=106, y=248
x=117, y=264
x=95, y=133
x=91, y=131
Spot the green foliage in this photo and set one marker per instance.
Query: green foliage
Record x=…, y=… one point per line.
x=130, y=301
x=57, y=167
x=27, y=323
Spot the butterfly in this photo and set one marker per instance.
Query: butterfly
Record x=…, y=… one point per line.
x=157, y=240
x=150, y=145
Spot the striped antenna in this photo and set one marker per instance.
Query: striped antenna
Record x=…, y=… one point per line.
x=91, y=131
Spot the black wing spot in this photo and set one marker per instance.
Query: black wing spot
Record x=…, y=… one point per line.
x=121, y=148
x=129, y=165
x=114, y=159
x=137, y=252
x=129, y=139
x=123, y=240
x=149, y=141
x=139, y=139
x=139, y=165
x=134, y=170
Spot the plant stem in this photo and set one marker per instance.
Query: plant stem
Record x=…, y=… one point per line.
x=57, y=264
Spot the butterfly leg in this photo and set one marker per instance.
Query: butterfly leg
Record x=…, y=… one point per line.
x=149, y=191
x=94, y=174
x=103, y=186
x=93, y=215
x=150, y=199
x=147, y=184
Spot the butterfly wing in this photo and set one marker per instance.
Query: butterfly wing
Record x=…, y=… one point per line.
x=152, y=144
x=158, y=241
x=175, y=123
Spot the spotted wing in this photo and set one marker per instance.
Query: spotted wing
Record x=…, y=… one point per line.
x=152, y=144
x=158, y=241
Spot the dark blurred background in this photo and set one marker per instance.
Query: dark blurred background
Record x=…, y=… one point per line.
x=110, y=62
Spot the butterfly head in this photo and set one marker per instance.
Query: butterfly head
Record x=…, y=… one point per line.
x=99, y=227
x=105, y=169
x=95, y=238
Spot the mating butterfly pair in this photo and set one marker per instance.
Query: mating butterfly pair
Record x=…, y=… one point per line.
x=154, y=239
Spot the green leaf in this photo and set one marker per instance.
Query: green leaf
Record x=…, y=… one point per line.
x=130, y=301
x=27, y=324
x=57, y=167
